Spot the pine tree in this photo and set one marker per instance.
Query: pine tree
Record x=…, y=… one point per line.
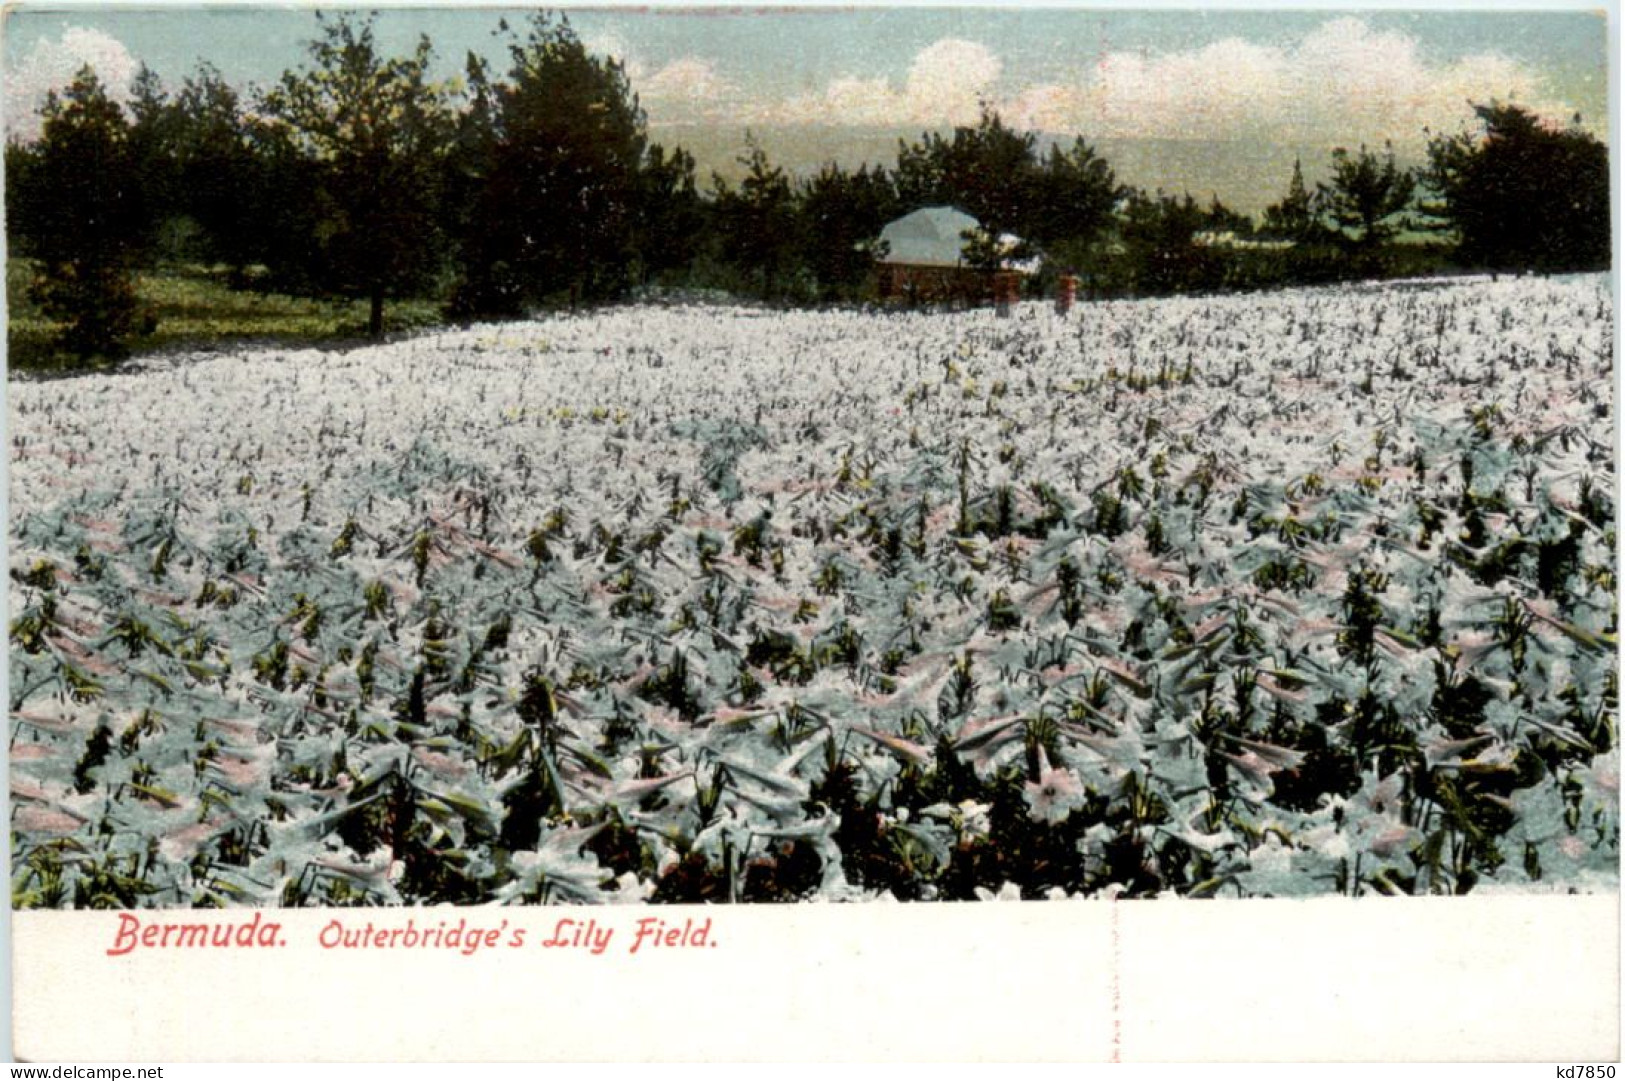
x=557, y=209
x=375, y=126
x=1367, y=198
x=1159, y=237
x=1522, y=194
x=988, y=171
x=842, y=215
x=1073, y=196
x=87, y=230
x=669, y=213
x=756, y=222
x=1296, y=216
x=156, y=180
x=217, y=169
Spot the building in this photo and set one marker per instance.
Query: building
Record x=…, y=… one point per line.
x=924, y=260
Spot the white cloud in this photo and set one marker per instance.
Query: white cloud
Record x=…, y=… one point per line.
x=684, y=90
x=948, y=79
x=1044, y=108
x=1342, y=83
x=688, y=88
x=1219, y=88
x=51, y=65
x=846, y=100
x=945, y=84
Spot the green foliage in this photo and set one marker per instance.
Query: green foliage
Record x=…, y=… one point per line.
x=192, y=304
x=840, y=216
x=1367, y=198
x=1159, y=239
x=83, y=220
x=376, y=126
x=670, y=214
x=1073, y=196
x=1523, y=195
x=756, y=222
x=1362, y=615
x=1060, y=203
x=987, y=170
x=222, y=185
x=551, y=161
x=1296, y=217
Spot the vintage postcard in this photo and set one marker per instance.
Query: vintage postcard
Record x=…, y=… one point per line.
x=665, y=513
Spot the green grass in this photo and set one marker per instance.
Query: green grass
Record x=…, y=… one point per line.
x=194, y=307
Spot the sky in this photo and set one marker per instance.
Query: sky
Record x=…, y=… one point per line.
x=1216, y=100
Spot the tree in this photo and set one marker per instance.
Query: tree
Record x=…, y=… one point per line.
x=1367, y=198
x=158, y=186
x=376, y=126
x=842, y=215
x=756, y=223
x=86, y=226
x=1160, y=248
x=1060, y=203
x=284, y=228
x=1522, y=194
x=1297, y=216
x=986, y=171
x=1073, y=195
x=1314, y=253
x=485, y=284
x=217, y=168
x=26, y=195
x=1221, y=219
x=670, y=214
x=557, y=210
x=990, y=252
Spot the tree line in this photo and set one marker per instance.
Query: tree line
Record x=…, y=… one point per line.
x=358, y=175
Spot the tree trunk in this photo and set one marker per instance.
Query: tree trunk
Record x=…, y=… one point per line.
x=375, y=318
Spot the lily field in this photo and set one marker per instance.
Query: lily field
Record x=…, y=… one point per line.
x=1310, y=593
